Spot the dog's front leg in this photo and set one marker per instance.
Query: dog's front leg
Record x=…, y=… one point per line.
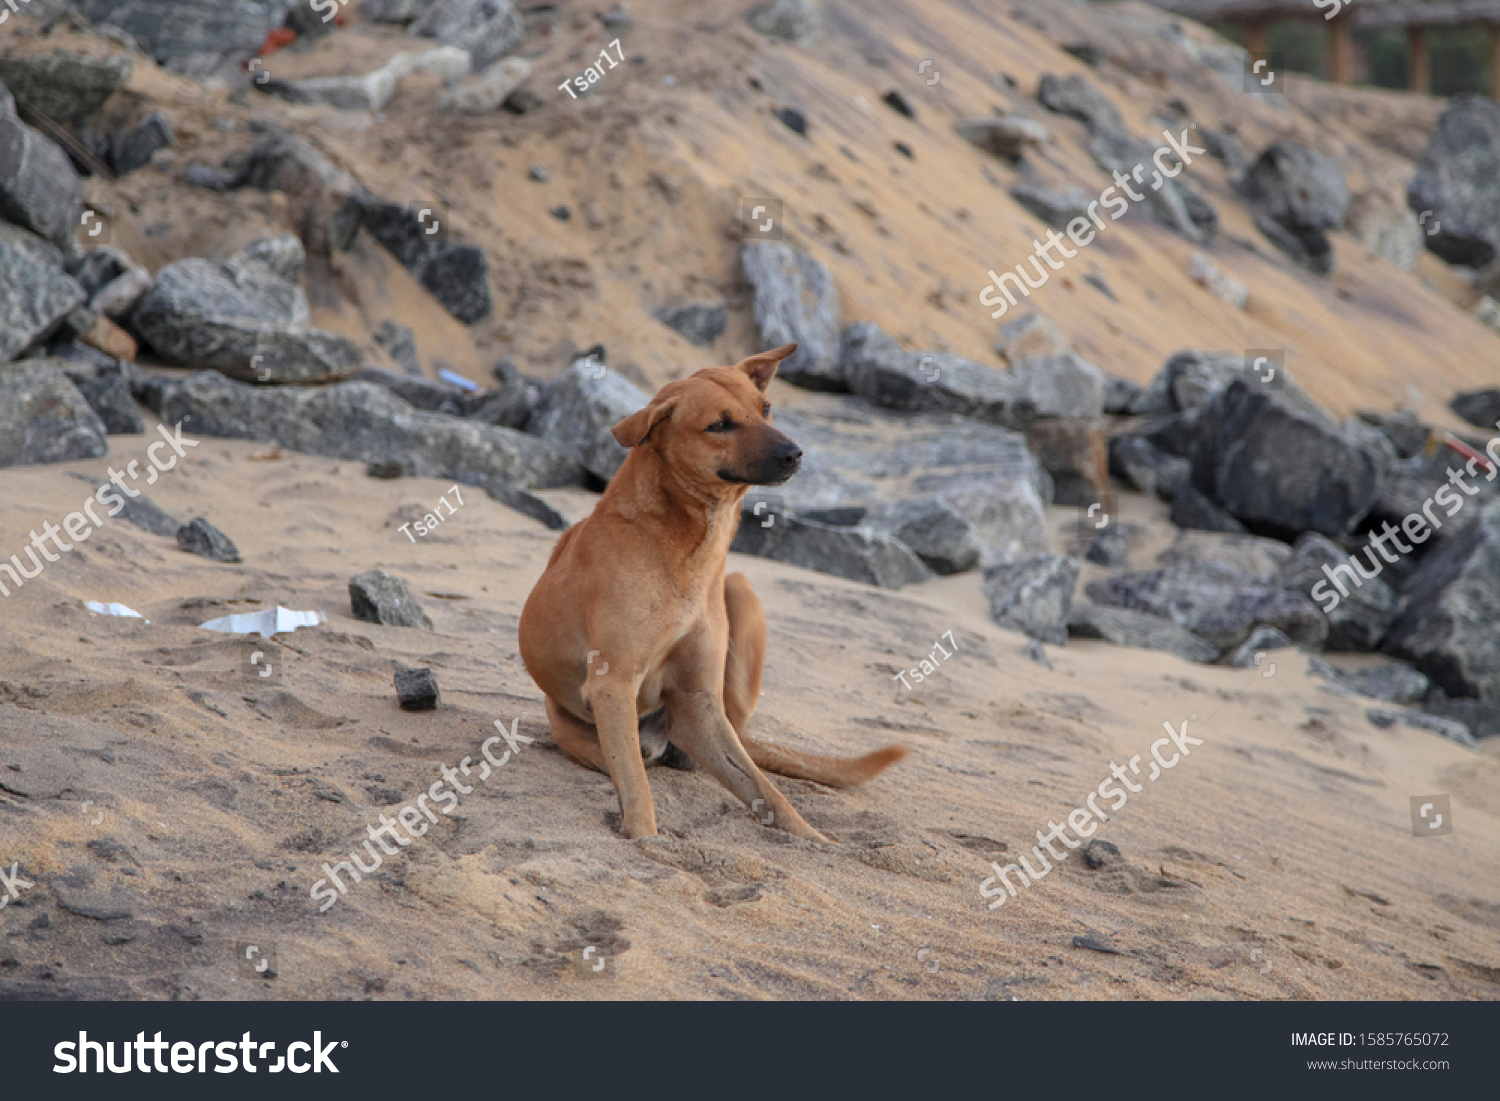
x=613, y=701
x=699, y=725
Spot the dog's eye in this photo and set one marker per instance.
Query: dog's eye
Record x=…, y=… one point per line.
x=724, y=424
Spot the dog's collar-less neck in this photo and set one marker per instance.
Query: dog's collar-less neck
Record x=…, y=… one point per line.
x=709, y=518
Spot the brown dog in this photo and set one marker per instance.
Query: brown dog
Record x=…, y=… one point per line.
x=639, y=641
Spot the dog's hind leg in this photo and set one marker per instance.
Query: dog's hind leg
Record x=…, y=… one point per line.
x=742, y=675
x=578, y=740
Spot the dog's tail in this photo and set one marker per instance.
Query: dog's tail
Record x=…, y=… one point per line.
x=834, y=772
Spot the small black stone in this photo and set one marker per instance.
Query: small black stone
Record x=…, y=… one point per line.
x=904, y=150
x=1094, y=944
x=1101, y=854
x=561, y=213
x=389, y=469
x=900, y=104
x=417, y=689
x=793, y=120
x=522, y=102
x=200, y=537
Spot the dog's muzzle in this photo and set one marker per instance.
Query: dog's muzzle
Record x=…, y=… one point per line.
x=774, y=468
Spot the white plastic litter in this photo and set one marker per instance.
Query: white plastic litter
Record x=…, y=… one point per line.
x=458, y=380
x=270, y=622
x=113, y=609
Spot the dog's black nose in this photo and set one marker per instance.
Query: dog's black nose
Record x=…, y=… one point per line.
x=791, y=458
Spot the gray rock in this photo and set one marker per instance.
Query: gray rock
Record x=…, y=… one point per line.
x=1407, y=434
x=241, y=317
x=66, y=87
x=1478, y=407
x=1366, y=609
x=1379, y=717
x=1078, y=99
x=1261, y=639
x=1482, y=717
x=325, y=202
x=1175, y=204
x=200, y=537
x=508, y=405
x=1192, y=379
x=109, y=396
x=858, y=553
x=1387, y=228
x=876, y=368
x=1218, y=604
x=118, y=298
x=1138, y=630
x=400, y=12
x=796, y=302
x=419, y=393
x=1449, y=728
x=1268, y=462
x=141, y=511
x=1056, y=208
x=134, y=148
x=456, y=275
x=1036, y=652
x=1031, y=336
x=936, y=532
x=795, y=21
x=577, y=410
x=363, y=422
x=43, y=417
x=39, y=189
x=35, y=294
x=175, y=30
x=699, y=323
x=1109, y=548
x=1073, y=451
x=859, y=455
x=1119, y=395
x=1193, y=511
x=1061, y=386
x=400, y=344
x=1456, y=181
x=1450, y=607
x=377, y=597
x=1204, y=272
x=1146, y=469
x=1296, y=195
x=1262, y=559
x=1004, y=136
x=1390, y=681
x=98, y=267
x=1034, y=596
x=417, y=689
x=488, y=29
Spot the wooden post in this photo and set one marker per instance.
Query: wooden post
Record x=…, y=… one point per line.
x=1255, y=39
x=1340, y=52
x=1418, y=75
x=1495, y=62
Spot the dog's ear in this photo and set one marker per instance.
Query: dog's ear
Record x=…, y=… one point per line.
x=636, y=429
x=762, y=368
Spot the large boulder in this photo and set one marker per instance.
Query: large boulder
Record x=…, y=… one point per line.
x=360, y=421
x=936, y=532
x=43, y=417
x=66, y=87
x=1359, y=609
x=1138, y=630
x=35, y=293
x=1450, y=608
x=1192, y=378
x=324, y=201
x=1296, y=195
x=1034, y=596
x=577, y=410
x=169, y=30
x=1148, y=469
x=39, y=189
x=876, y=368
x=1176, y=204
x=1064, y=385
x=1262, y=559
x=1280, y=469
x=1478, y=407
x=1217, y=603
x=244, y=317
x=1078, y=99
x=857, y=552
x=796, y=302
x=487, y=29
x=457, y=275
x=1458, y=181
